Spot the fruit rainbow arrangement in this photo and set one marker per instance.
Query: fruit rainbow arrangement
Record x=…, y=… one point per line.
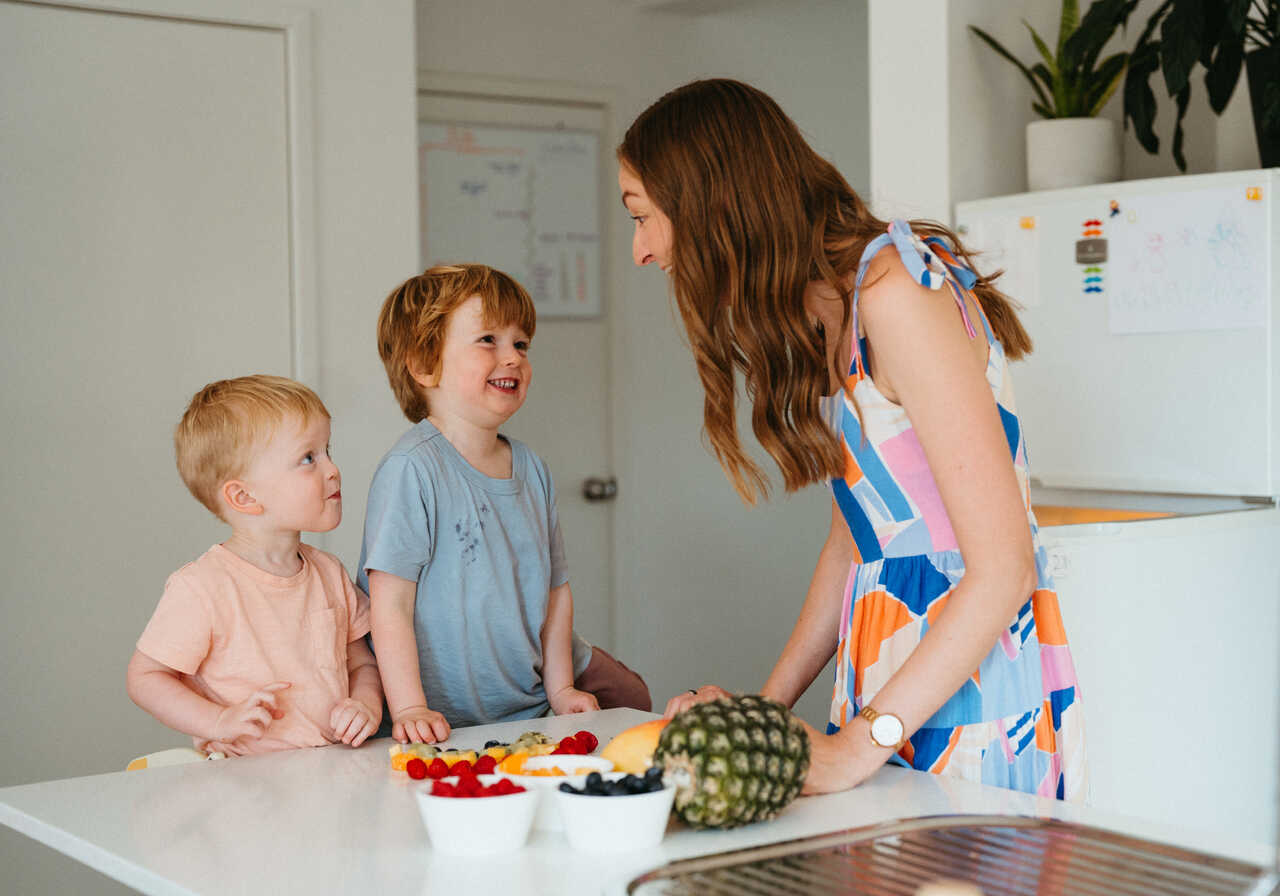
x=733, y=761
x=427, y=760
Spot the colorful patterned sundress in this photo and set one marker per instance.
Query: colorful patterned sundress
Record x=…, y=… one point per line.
x=1016, y=722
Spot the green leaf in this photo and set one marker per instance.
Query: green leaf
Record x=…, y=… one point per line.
x=1180, y=36
x=995, y=45
x=1043, y=48
x=1183, y=97
x=1139, y=99
x=1043, y=111
x=1105, y=81
x=1271, y=108
x=1223, y=73
x=1096, y=29
x=1067, y=23
x=1043, y=74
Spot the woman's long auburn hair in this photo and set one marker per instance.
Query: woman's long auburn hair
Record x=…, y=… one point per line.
x=756, y=216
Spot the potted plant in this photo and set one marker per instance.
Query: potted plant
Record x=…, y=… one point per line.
x=1222, y=36
x=1071, y=145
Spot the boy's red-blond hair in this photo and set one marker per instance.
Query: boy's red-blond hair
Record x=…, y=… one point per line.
x=415, y=318
x=228, y=421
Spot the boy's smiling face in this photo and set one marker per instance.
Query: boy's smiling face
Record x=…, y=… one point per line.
x=294, y=481
x=484, y=370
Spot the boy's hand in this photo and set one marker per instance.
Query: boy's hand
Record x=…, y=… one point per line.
x=419, y=725
x=352, y=722
x=570, y=700
x=250, y=717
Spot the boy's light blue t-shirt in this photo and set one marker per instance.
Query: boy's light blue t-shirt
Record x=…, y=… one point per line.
x=485, y=553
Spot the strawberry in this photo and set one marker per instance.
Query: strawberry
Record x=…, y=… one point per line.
x=587, y=741
x=485, y=765
x=416, y=768
x=438, y=768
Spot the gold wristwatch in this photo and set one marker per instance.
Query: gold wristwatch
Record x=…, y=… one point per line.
x=887, y=729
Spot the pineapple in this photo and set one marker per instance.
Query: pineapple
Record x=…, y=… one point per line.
x=733, y=761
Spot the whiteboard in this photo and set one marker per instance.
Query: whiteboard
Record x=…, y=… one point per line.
x=1155, y=367
x=523, y=200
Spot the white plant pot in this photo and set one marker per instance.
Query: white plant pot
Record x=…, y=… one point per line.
x=1072, y=152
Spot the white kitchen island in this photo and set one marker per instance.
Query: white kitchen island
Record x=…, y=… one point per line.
x=336, y=820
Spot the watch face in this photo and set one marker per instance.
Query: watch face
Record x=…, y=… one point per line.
x=887, y=730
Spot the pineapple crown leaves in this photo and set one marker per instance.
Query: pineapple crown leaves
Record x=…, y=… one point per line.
x=1215, y=34
x=1069, y=81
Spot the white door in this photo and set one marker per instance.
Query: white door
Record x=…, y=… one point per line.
x=566, y=416
x=145, y=249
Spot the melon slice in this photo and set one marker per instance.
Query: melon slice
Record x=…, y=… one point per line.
x=632, y=750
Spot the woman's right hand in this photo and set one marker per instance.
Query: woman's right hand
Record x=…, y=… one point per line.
x=692, y=698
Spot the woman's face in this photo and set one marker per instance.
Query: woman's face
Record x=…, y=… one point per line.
x=651, y=242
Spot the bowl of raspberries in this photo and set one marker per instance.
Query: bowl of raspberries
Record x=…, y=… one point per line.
x=476, y=814
x=615, y=812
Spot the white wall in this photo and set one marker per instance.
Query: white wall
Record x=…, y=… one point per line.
x=363, y=228
x=986, y=104
x=705, y=589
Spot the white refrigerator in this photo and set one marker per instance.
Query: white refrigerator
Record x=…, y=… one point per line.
x=1151, y=407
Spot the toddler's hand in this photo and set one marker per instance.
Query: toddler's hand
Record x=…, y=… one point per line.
x=250, y=717
x=352, y=722
x=419, y=725
x=570, y=700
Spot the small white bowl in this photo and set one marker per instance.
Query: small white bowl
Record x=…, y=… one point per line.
x=615, y=823
x=548, y=816
x=474, y=826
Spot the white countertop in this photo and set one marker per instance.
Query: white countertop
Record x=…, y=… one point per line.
x=334, y=820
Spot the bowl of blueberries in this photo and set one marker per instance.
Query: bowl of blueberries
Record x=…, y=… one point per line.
x=615, y=812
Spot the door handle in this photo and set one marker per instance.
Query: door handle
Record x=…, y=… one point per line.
x=596, y=488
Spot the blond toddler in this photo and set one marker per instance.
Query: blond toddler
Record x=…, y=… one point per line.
x=258, y=645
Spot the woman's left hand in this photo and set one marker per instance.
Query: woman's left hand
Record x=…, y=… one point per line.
x=842, y=760
x=693, y=697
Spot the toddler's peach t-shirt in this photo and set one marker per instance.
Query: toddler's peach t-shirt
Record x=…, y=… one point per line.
x=230, y=628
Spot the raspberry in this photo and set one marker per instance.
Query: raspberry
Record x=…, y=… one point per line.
x=438, y=768
x=569, y=745
x=505, y=786
x=587, y=741
x=461, y=767
x=416, y=768
x=485, y=765
x=561, y=751
x=440, y=788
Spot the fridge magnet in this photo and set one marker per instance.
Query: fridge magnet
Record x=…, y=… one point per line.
x=1091, y=252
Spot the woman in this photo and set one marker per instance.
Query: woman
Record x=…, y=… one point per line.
x=863, y=366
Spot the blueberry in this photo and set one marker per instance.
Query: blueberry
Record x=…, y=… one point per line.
x=492, y=743
x=594, y=780
x=566, y=787
x=653, y=773
x=614, y=788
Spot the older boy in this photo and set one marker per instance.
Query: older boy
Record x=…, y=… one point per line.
x=471, y=607
x=258, y=645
